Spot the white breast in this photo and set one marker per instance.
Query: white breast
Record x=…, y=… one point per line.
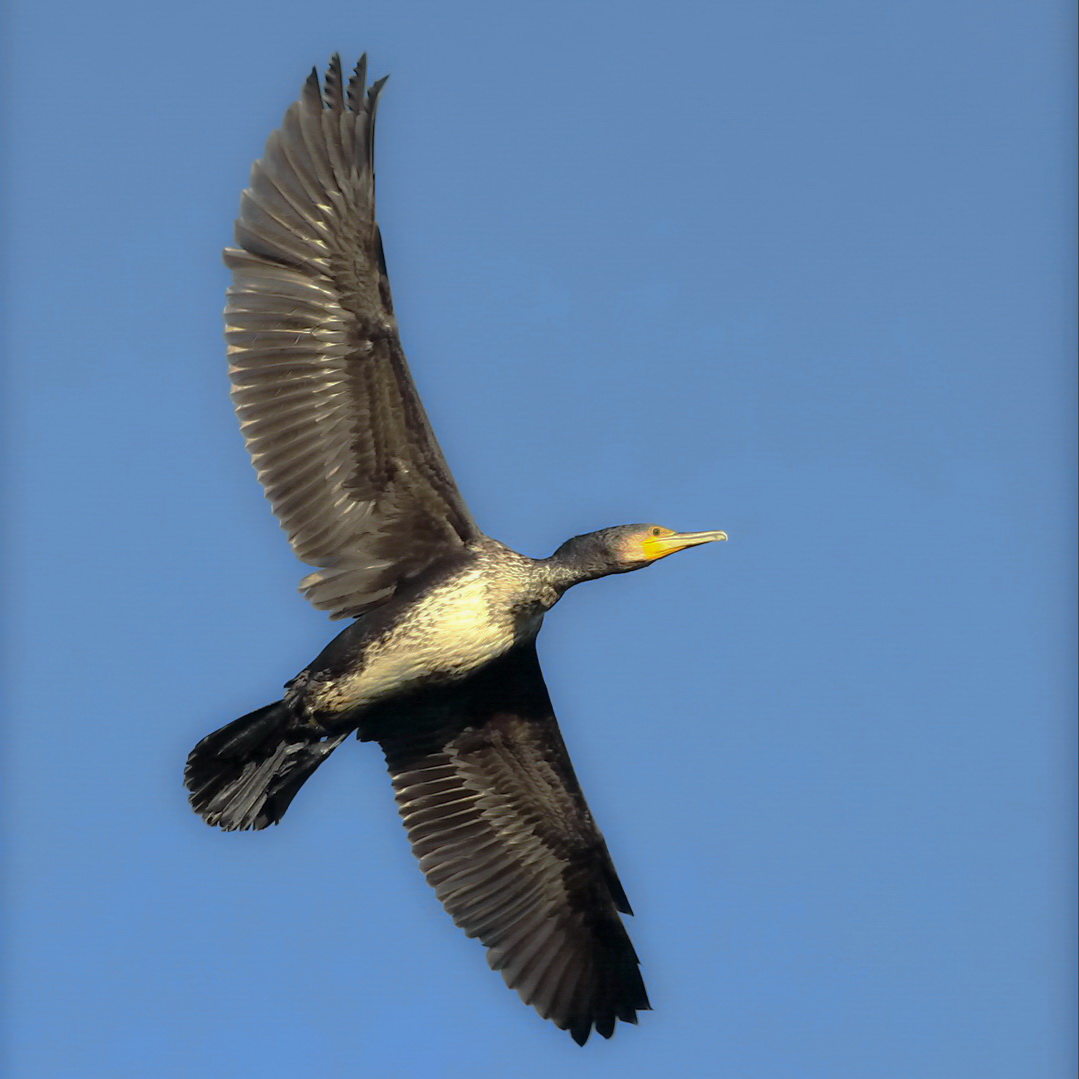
x=450, y=633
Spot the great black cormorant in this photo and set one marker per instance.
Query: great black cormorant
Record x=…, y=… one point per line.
x=439, y=665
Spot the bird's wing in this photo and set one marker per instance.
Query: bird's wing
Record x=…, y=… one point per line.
x=331, y=417
x=502, y=831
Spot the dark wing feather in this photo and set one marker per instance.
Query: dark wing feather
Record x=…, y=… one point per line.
x=502, y=831
x=327, y=406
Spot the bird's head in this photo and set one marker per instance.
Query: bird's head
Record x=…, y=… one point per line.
x=626, y=547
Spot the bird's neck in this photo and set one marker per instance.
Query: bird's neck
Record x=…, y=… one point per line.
x=563, y=572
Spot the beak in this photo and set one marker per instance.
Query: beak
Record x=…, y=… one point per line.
x=661, y=546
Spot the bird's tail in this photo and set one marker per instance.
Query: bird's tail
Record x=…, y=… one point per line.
x=246, y=774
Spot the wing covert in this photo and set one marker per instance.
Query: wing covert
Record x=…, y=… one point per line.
x=332, y=420
x=498, y=822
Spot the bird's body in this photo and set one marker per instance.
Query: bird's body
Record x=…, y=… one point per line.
x=441, y=628
x=439, y=665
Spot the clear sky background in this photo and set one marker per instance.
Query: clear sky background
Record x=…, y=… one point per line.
x=800, y=271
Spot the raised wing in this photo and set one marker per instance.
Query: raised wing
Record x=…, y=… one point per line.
x=327, y=406
x=502, y=831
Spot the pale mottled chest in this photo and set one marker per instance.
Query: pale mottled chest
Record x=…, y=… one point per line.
x=451, y=631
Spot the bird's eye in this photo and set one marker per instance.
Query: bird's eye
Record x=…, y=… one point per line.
x=656, y=531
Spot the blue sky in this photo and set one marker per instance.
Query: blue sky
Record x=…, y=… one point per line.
x=797, y=271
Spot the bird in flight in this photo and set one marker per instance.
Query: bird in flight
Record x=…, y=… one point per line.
x=438, y=664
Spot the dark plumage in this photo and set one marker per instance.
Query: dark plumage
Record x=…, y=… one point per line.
x=439, y=666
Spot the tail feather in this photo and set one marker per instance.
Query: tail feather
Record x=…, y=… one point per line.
x=246, y=774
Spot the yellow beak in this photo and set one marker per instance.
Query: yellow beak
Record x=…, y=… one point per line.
x=661, y=546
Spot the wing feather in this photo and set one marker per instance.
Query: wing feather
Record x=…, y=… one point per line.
x=337, y=432
x=502, y=832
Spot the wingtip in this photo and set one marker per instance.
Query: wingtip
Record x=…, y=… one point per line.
x=580, y=1034
x=331, y=91
x=333, y=84
x=605, y=1026
x=357, y=84
x=376, y=89
x=312, y=89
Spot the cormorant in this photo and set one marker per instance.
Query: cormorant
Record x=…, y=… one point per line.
x=439, y=665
